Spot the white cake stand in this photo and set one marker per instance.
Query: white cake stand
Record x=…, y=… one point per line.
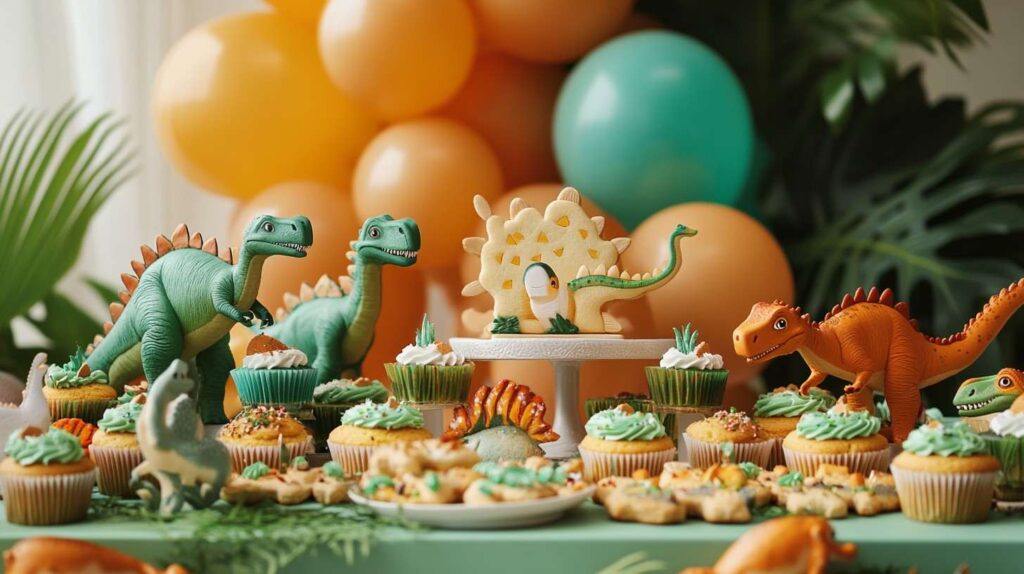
x=566, y=355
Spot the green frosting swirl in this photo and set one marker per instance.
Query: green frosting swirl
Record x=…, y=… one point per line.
x=255, y=471
x=382, y=415
x=832, y=426
x=53, y=446
x=58, y=377
x=882, y=412
x=520, y=476
x=955, y=439
x=121, y=418
x=342, y=392
x=615, y=424
x=792, y=403
x=750, y=469
x=334, y=470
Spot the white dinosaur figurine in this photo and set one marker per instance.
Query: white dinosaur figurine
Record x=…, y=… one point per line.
x=32, y=411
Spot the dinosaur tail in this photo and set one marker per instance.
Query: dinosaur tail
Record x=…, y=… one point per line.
x=639, y=284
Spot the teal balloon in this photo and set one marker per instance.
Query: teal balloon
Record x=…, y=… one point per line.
x=650, y=120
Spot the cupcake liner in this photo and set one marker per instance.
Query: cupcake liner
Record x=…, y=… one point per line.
x=244, y=455
x=354, y=459
x=686, y=387
x=1010, y=452
x=777, y=456
x=862, y=462
x=598, y=465
x=596, y=405
x=115, y=467
x=703, y=454
x=945, y=497
x=325, y=419
x=430, y=384
x=47, y=499
x=90, y=411
x=274, y=386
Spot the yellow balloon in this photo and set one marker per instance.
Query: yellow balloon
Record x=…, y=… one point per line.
x=243, y=103
x=401, y=57
x=305, y=11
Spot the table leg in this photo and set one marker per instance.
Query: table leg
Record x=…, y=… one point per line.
x=567, y=415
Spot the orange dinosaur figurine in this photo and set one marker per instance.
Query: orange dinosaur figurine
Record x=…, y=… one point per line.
x=65, y=556
x=870, y=341
x=787, y=545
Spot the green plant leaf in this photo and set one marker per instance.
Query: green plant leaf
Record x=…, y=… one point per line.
x=837, y=96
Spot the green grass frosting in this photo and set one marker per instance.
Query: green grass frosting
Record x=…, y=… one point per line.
x=53, y=446
x=618, y=424
x=837, y=426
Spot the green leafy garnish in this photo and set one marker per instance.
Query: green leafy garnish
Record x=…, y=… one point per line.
x=425, y=334
x=686, y=340
x=562, y=326
x=505, y=325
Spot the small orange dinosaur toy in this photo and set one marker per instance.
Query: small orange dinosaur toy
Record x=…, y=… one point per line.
x=65, y=556
x=79, y=428
x=786, y=545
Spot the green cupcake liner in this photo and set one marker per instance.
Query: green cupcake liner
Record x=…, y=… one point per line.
x=598, y=404
x=1010, y=452
x=686, y=387
x=90, y=411
x=325, y=419
x=430, y=384
x=274, y=386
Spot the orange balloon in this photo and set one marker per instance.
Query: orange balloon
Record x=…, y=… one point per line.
x=405, y=300
x=334, y=224
x=510, y=103
x=401, y=57
x=305, y=11
x=428, y=169
x=549, y=30
x=732, y=263
x=243, y=103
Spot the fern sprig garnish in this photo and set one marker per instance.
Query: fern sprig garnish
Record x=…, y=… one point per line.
x=425, y=335
x=686, y=340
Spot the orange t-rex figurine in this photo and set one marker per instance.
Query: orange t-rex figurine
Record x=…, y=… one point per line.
x=787, y=545
x=872, y=342
x=66, y=556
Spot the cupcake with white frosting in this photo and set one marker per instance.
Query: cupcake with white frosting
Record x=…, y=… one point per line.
x=430, y=372
x=1005, y=441
x=274, y=374
x=689, y=374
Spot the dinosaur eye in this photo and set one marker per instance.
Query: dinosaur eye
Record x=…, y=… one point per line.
x=1005, y=383
x=374, y=232
x=268, y=227
x=780, y=324
x=554, y=282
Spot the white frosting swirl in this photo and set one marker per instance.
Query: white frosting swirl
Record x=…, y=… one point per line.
x=429, y=355
x=675, y=359
x=1008, y=423
x=286, y=359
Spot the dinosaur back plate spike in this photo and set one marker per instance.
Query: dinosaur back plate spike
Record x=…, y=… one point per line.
x=179, y=238
x=210, y=246
x=163, y=245
x=196, y=242
x=148, y=255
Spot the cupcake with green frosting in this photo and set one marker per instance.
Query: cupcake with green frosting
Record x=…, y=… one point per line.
x=778, y=412
x=45, y=478
x=846, y=439
x=945, y=473
x=368, y=426
x=115, y=449
x=73, y=390
x=1005, y=439
x=621, y=441
x=333, y=398
x=430, y=372
x=689, y=375
x=639, y=402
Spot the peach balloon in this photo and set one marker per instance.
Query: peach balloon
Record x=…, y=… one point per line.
x=428, y=169
x=511, y=103
x=732, y=263
x=405, y=300
x=305, y=11
x=549, y=30
x=334, y=224
x=242, y=103
x=401, y=57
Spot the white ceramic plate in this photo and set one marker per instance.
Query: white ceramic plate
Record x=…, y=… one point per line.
x=463, y=517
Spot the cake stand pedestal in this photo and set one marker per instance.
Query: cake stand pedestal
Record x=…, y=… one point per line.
x=566, y=355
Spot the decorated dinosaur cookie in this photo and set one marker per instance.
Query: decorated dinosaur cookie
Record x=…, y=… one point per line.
x=65, y=556
x=552, y=272
x=506, y=423
x=33, y=410
x=182, y=300
x=870, y=341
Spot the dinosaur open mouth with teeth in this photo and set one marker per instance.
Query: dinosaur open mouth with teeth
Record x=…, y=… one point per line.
x=764, y=353
x=401, y=253
x=295, y=246
x=975, y=406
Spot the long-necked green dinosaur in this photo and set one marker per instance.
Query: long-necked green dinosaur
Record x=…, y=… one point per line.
x=989, y=395
x=333, y=323
x=183, y=300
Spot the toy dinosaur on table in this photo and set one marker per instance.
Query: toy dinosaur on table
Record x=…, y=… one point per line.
x=333, y=323
x=51, y=555
x=506, y=423
x=553, y=273
x=184, y=298
x=187, y=465
x=33, y=410
x=870, y=341
x=989, y=395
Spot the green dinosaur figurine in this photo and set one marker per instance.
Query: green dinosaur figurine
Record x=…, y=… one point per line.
x=183, y=300
x=188, y=466
x=989, y=395
x=333, y=323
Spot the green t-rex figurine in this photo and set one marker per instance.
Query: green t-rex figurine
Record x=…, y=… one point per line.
x=989, y=395
x=183, y=300
x=333, y=323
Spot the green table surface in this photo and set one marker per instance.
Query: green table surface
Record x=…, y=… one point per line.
x=585, y=540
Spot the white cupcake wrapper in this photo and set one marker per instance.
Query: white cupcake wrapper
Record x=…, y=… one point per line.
x=777, y=456
x=945, y=497
x=243, y=456
x=114, y=466
x=47, y=499
x=598, y=465
x=704, y=454
x=354, y=459
x=862, y=462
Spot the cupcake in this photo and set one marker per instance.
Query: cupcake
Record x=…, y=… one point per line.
x=639, y=402
x=333, y=398
x=252, y=436
x=621, y=441
x=115, y=448
x=428, y=372
x=1005, y=441
x=46, y=478
x=777, y=413
x=73, y=390
x=945, y=473
x=273, y=374
x=704, y=440
x=367, y=426
x=846, y=439
x=689, y=375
